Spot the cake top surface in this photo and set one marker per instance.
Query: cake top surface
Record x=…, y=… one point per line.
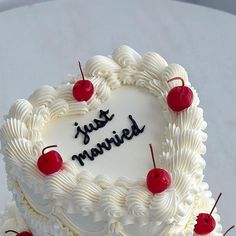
x=131, y=158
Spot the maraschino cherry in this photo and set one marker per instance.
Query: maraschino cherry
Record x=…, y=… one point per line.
x=25, y=233
x=227, y=231
x=158, y=180
x=50, y=162
x=206, y=222
x=83, y=89
x=179, y=97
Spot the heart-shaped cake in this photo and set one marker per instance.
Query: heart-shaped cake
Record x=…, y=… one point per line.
x=78, y=158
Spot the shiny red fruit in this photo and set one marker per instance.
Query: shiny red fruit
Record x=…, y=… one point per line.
x=205, y=224
x=25, y=233
x=179, y=97
x=158, y=180
x=83, y=90
x=50, y=162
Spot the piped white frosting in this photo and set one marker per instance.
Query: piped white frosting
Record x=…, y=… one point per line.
x=118, y=202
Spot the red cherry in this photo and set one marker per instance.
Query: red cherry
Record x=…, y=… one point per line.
x=206, y=222
x=25, y=233
x=158, y=180
x=50, y=162
x=179, y=97
x=83, y=89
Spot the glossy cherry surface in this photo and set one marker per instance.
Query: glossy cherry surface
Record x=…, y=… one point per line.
x=158, y=180
x=205, y=221
x=25, y=233
x=83, y=89
x=179, y=97
x=50, y=162
x=205, y=224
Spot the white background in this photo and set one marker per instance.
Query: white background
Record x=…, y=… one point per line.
x=40, y=44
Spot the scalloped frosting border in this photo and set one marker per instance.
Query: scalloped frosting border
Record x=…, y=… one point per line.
x=12, y=219
x=120, y=200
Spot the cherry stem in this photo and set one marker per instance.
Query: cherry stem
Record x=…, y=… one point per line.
x=11, y=231
x=228, y=230
x=176, y=78
x=43, y=151
x=213, y=208
x=81, y=71
x=153, y=159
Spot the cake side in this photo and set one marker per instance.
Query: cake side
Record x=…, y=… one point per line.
x=13, y=219
x=116, y=203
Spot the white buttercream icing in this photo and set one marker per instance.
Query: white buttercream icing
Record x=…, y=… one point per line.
x=21, y=110
x=164, y=206
x=117, y=202
x=12, y=220
x=138, y=201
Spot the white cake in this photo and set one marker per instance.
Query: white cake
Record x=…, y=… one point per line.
x=109, y=195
